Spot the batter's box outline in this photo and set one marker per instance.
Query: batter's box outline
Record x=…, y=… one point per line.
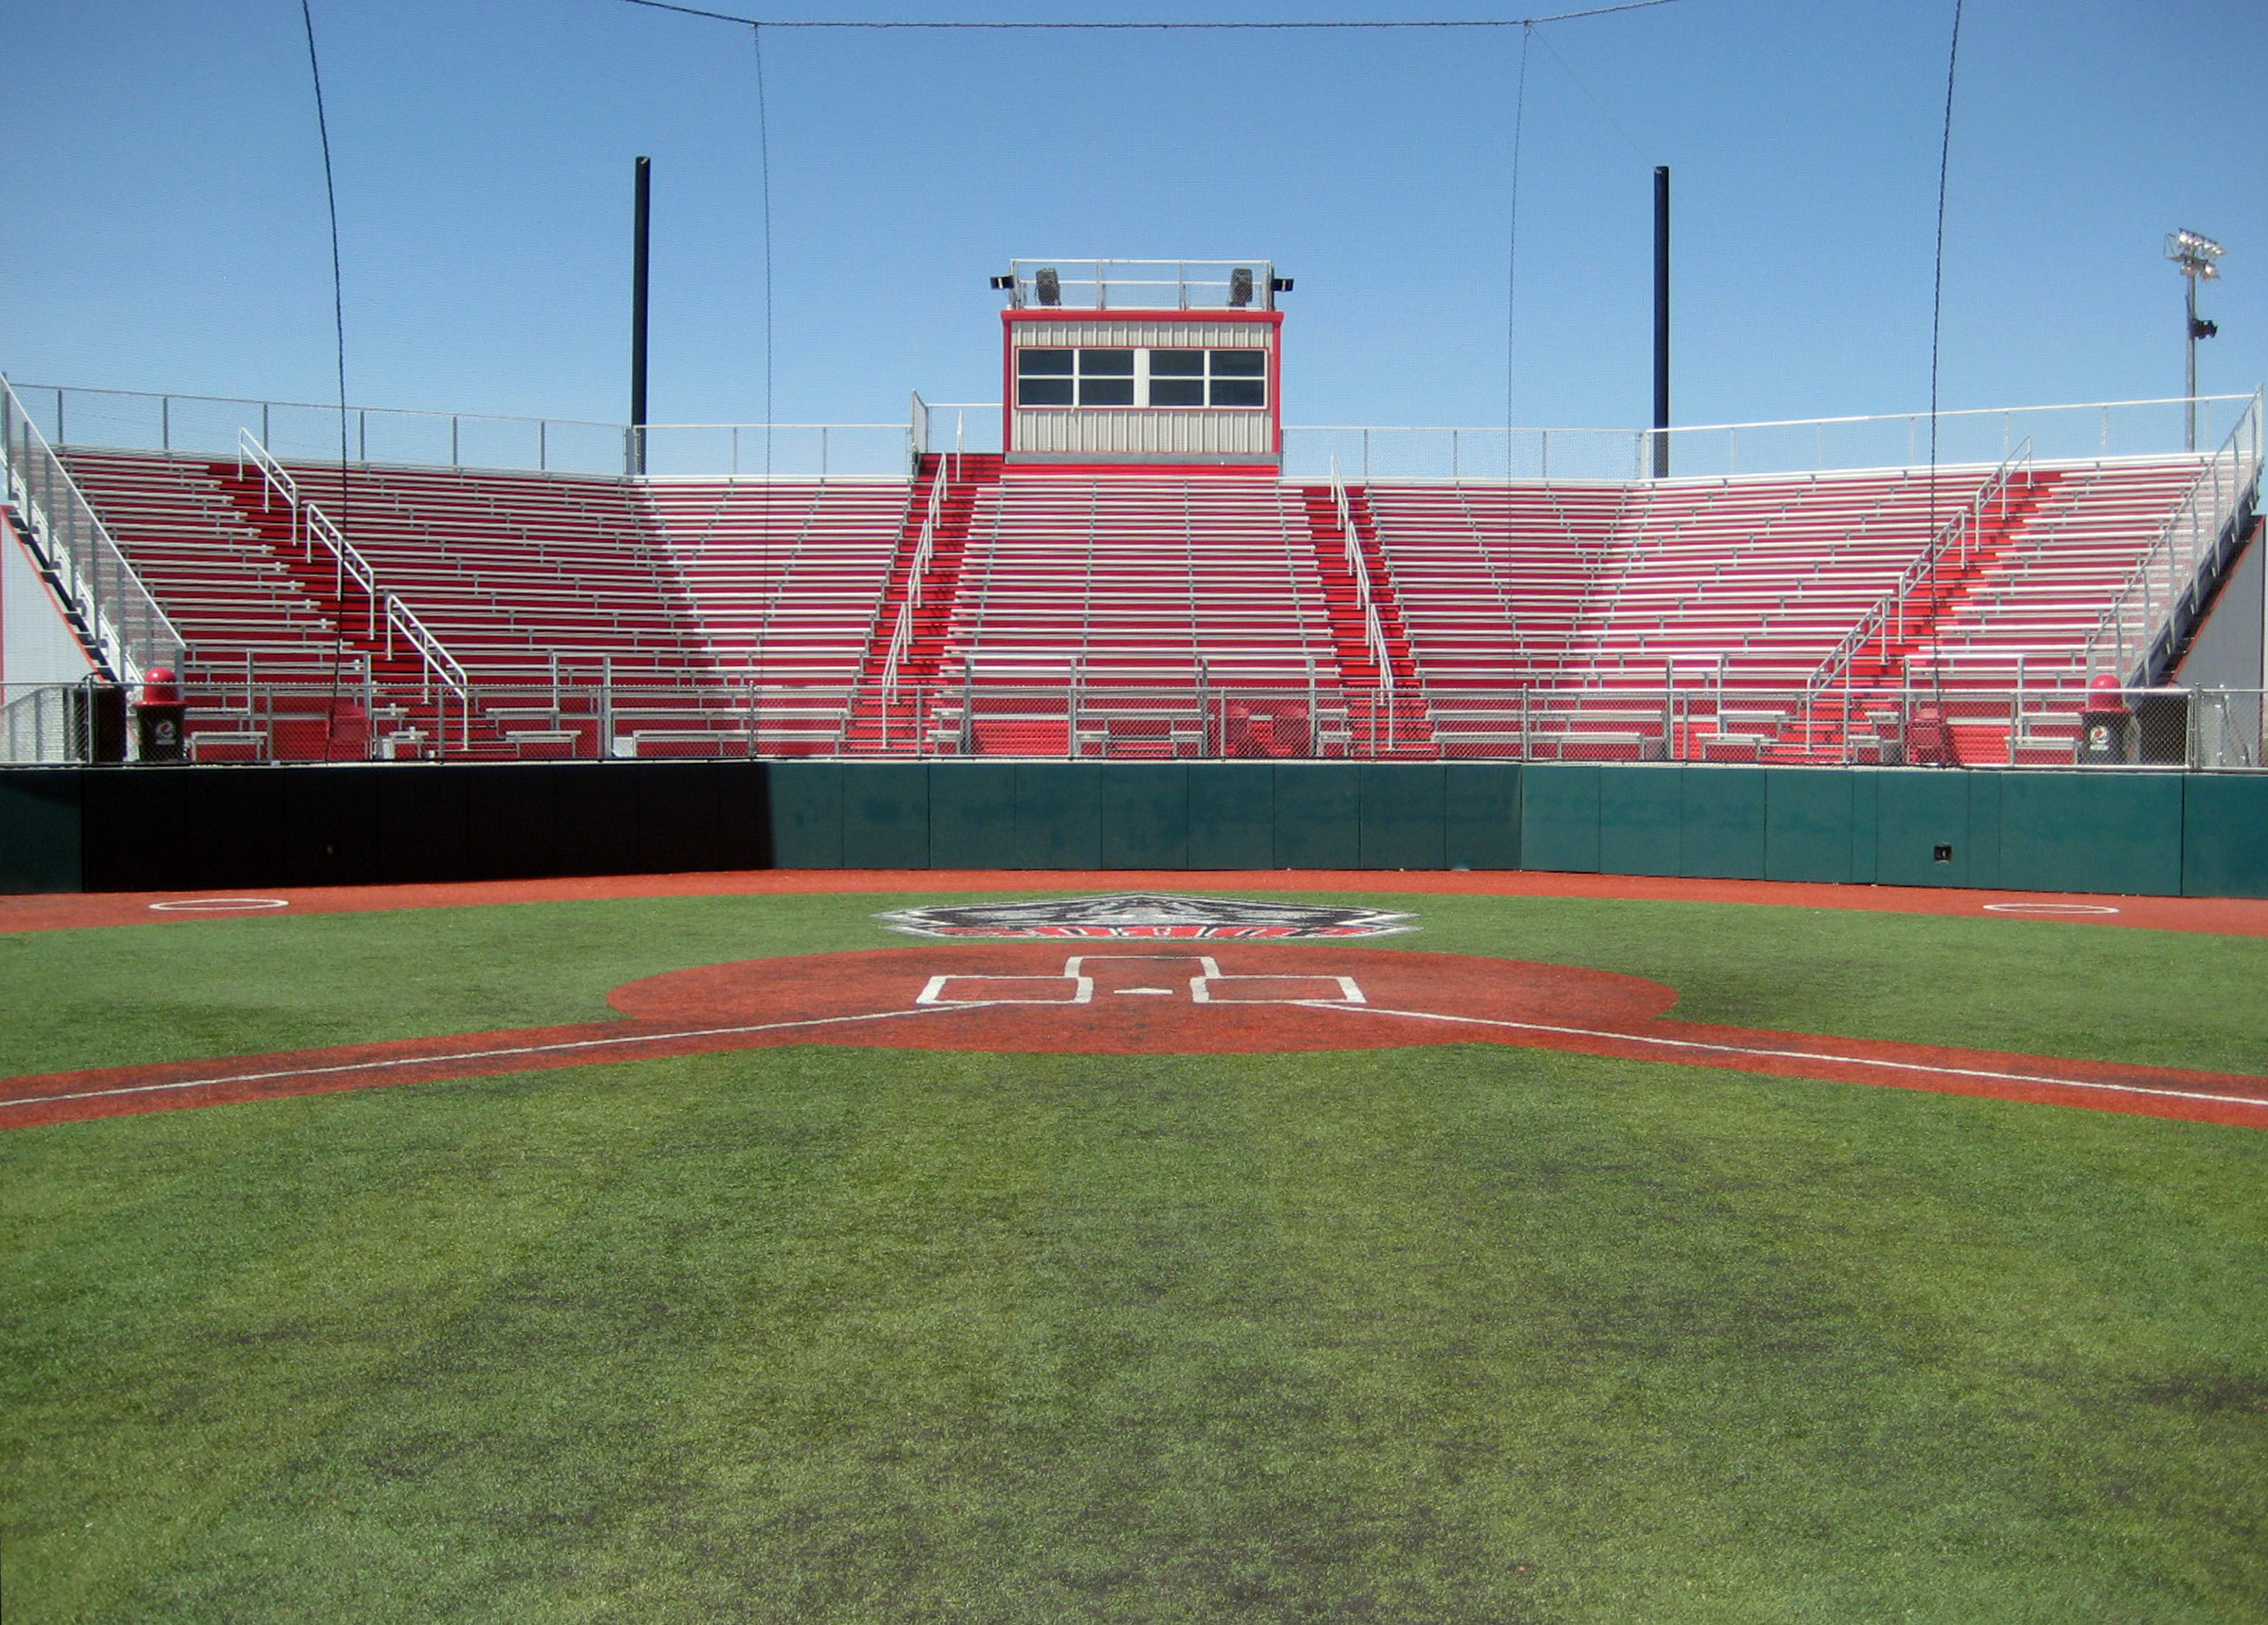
x=1345, y=990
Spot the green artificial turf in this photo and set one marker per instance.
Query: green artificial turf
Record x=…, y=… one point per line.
x=1458, y=1334
x=1447, y=1334
x=190, y=989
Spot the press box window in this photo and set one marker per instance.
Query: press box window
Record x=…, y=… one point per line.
x=1045, y=377
x=1074, y=378
x=1106, y=377
x=1240, y=378
x=1209, y=378
x=1143, y=378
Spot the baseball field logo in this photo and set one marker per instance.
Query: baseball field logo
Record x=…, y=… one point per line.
x=1148, y=917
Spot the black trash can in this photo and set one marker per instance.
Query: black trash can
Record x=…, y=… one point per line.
x=98, y=722
x=2161, y=719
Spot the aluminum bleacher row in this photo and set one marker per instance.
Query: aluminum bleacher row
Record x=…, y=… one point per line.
x=1129, y=612
x=1128, y=585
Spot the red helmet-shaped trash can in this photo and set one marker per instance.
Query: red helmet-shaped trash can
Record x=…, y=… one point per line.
x=2107, y=730
x=161, y=716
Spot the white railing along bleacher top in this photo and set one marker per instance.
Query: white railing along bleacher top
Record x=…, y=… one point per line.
x=978, y=434
x=207, y=425
x=132, y=633
x=2096, y=431
x=1888, y=621
x=1983, y=438
x=2135, y=631
x=310, y=526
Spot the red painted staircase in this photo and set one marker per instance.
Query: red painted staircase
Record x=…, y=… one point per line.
x=397, y=671
x=1863, y=708
x=1386, y=718
x=891, y=709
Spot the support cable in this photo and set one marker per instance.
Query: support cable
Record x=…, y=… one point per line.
x=338, y=333
x=1937, y=311
x=1564, y=16
x=764, y=188
x=1511, y=242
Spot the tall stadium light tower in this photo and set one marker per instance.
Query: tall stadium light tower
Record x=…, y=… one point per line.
x=2196, y=255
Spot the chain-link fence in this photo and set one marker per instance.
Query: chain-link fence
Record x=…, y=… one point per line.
x=54, y=725
x=228, y=718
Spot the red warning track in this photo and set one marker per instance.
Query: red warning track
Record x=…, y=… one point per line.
x=1132, y=999
x=2236, y=916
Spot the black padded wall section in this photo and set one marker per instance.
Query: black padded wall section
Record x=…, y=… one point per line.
x=40, y=821
x=183, y=829
x=187, y=830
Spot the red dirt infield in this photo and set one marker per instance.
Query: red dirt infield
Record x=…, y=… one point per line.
x=2235, y=917
x=1131, y=998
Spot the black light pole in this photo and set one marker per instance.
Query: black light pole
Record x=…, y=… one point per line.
x=2196, y=256
x=1661, y=321
x=639, y=235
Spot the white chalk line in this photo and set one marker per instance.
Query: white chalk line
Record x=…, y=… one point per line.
x=1750, y=1052
x=532, y=1049
x=1742, y=1050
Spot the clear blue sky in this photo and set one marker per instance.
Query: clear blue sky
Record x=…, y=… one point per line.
x=164, y=225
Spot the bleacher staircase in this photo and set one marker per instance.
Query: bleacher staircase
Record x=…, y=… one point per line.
x=979, y=608
x=1378, y=674
x=896, y=699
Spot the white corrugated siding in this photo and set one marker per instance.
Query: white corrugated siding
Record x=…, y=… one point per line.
x=1104, y=431
x=1139, y=336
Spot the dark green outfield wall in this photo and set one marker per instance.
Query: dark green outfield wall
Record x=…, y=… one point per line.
x=180, y=829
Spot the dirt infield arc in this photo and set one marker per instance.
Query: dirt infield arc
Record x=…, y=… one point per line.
x=1136, y=999
x=65, y=911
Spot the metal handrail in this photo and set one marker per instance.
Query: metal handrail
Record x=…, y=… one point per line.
x=2137, y=605
x=924, y=546
x=1373, y=629
x=311, y=524
x=2023, y=719
x=1961, y=528
x=132, y=634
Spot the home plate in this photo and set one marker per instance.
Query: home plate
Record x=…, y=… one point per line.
x=1245, y=998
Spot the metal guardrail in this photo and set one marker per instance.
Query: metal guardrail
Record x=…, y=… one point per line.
x=309, y=526
x=114, y=611
x=1142, y=284
x=1374, y=630
x=2083, y=433
x=1093, y=715
x=909, y=606
x=209, y=425
x=1888, y=619
x=44, y=726
x=2141, y=629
